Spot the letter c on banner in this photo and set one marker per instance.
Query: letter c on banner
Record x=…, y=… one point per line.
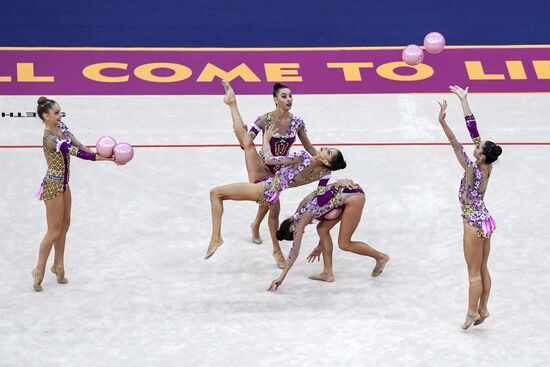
x=180, y=72
x=387, y=71
x=93, y=72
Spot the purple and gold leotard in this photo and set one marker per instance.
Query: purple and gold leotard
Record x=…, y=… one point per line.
x=320, y=205
x=58, y=153
x=289, y=176
x=470, y=196
x=280, y=143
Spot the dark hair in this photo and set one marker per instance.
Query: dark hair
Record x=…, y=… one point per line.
x=44, y=106
x=491, y=151
x=284, y=232
x=337, y=162
x=277, y=87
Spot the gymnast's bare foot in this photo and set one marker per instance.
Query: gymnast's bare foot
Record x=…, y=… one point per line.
x=213, y=246
x=279, y=258
x=483, y=314
x=229, y=94
x=470, y=319
x=380, y=264
x=60, y=274
x=37, y=279
x=256, y=234
x=324, y=277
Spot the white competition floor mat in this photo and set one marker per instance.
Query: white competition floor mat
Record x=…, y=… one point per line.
x=140, y=293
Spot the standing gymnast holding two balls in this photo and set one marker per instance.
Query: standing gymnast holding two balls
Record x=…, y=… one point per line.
x=58, y=144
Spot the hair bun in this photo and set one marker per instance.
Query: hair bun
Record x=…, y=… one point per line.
x=42, y=100
x=277, y=87
x=279, y=236
x=498, y=150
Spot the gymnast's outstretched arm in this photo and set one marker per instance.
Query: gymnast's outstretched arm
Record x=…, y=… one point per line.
x=457, y=147
x=471, y=124
x=294, y=251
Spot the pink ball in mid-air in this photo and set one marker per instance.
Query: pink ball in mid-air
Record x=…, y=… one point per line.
x=333, y=214
x=123, y=153
x=434, y=42
x=105, y=146
x=412, y=55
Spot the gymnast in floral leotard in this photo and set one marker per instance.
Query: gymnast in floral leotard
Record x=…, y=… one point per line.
x=346, y=199
x=288, y=127
x=297, y=169
x=479, y=225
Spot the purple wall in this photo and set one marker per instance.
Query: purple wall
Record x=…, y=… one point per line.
x=492, y=69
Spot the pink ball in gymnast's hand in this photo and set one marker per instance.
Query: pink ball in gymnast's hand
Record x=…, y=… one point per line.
x=434, y=42
x=333, y=214
x=123, y=153
x=412, y=55
x=105, y=146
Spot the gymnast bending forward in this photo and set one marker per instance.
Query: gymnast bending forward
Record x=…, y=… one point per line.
x=346, y=199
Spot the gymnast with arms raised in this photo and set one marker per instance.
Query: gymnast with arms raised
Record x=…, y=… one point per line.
x=478, y=223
